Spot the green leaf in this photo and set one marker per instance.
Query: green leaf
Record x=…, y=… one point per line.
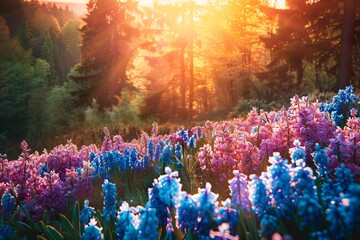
x=44, y=229
x=24, y=228
x=46, y=217
x=53, y=233
x=108, y=234
x=69, y=228
x=76, y=217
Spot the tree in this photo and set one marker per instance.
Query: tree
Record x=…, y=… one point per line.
x=347, y=39
x=105, y=50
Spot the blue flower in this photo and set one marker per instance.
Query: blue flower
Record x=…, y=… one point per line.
x=303, y=181
x=158, y=152
x=259, y=196
x=344, y=178
x=183, y=135
x=239, y=191
x=178, y=152
x=279, y=174
x=6, y=232
x=330, y=193
x=297, y=152
x=186, y=213
x=91, y=231
x=110, y=195
x=321, y=161
x=334, y=216
x=86, y=213
x=155, y=202
x=339, y=108
x=145, y=163
x=125, y=225
x=309, y=210
x=7, y=204
x=229, y=215
x=169, y=187
x=166, y=155
x=268, y=226
x=320, y=235
x=192, y=142
x=206, y=202
x=44, y=169
x=148, y=223
x=134, y=160
x=351, y=205
x=151, y=149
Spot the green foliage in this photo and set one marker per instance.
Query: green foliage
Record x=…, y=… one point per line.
x=61, y=111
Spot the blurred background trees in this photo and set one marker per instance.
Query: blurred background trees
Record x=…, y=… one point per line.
x=129, y=62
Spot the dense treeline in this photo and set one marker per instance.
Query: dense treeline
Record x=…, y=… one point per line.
x=127, y=63
x=39, y=45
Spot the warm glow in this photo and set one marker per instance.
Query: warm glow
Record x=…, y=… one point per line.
x=150, y=3
x=279, y=4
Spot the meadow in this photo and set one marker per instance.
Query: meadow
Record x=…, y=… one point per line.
x=293, y=172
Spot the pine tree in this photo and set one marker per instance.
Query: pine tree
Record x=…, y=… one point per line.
x=106, y=47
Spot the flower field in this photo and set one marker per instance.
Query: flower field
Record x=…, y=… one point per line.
x=295, y=172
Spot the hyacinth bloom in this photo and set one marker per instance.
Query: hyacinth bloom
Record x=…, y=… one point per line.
x=186, y=213
x=259, y=195
x=91, y=231
x=334, y=216
x=321, y=161
x=86, y=213
x=268, y=226
x=303, y=181
x=297, y=152
x=351, y=205
x=110, y=196
x=6, y=232
x=182, y=136
x=279, y=174
x=206, y=203
x=166, y=155
x=340, y=106
x=151, y=149
x=7, y=204
x=192, y=142
x=227, y=214
x=204, y=156
x=178, y=152
x=158, y=151
x=344, y=178
x=148, y=223
x=239, y=191
x=125, y=225
x=169, y=187
x=309, y=210
x=161, y=209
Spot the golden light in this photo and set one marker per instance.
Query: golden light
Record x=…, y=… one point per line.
x=150, y=3
x=279, y=4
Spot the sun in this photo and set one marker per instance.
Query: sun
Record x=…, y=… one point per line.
x=279, y=4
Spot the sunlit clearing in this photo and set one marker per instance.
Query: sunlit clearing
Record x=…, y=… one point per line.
x=279, y=4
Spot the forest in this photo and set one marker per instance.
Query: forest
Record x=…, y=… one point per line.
x=170, y=119
x=128, y=62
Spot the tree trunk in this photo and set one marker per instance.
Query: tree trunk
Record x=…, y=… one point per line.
x=347, y=36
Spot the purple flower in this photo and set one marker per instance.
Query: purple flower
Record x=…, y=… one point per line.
x=239, y=191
